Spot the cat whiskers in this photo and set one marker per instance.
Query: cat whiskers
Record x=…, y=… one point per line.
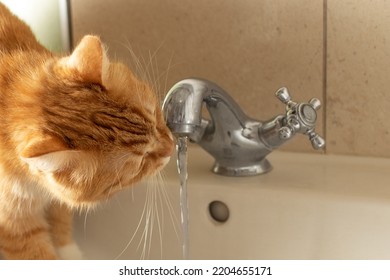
x=118, y=182
x=150, y=70
x=139, y=70
x=151, y=223
x=85, y=224
x=135, y=231
x=154, y=69
x=164, y=195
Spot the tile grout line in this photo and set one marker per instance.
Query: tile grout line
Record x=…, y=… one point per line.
x=325, y=69
x=68, y=5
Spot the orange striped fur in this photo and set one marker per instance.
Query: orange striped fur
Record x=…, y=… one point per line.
x=73, y=131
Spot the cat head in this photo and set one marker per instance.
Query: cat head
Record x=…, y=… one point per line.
x=99, y=128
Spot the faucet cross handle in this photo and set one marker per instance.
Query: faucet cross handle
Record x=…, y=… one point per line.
x=300, y=117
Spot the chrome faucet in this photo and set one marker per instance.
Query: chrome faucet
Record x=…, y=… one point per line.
x=238, y=143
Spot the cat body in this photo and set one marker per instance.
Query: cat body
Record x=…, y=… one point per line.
x=74, y=130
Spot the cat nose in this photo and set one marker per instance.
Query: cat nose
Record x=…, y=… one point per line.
x=168, y=148
x=166, y=143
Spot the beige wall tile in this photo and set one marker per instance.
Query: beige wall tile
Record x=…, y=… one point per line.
x=250, y=48
x=358, y=85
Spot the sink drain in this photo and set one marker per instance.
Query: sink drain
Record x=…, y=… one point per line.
x=219, y=211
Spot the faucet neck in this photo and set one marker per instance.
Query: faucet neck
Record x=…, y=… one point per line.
x=183, y=105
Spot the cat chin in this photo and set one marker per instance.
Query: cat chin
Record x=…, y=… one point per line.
x=74, y=203
x=70, y=252
x=165, y=162
x=84, y=205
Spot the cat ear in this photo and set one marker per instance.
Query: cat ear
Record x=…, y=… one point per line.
x=42, y=145
x=51, y=162
x=48, y=154
x=90, y=60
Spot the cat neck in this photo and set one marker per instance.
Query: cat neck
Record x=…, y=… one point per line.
x=21, y=67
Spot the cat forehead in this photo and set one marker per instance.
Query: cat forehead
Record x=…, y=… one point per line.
x=141, y=99
x=123, y=84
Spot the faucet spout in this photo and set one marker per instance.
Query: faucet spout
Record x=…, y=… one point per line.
x=238, y=143
x=183, y=104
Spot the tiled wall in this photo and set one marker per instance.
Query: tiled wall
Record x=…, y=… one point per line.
x=358, y=77
x=330, y=49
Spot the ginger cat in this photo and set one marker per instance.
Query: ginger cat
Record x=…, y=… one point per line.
x=74, y=130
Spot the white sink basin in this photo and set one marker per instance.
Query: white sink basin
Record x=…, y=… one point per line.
x=310, y=206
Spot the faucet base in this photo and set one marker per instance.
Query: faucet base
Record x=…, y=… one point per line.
x=262, y=167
